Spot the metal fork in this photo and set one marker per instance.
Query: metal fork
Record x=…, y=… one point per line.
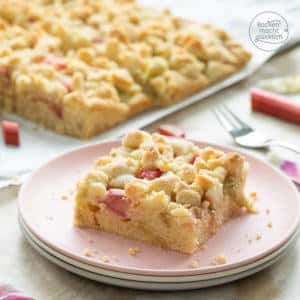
x=246, y=136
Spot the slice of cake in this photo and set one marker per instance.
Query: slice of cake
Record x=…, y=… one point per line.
x=162, y=190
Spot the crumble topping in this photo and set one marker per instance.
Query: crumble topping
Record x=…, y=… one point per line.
x=169, y=181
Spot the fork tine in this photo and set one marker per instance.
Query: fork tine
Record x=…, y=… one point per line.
x=236, y=118
x=223, y=120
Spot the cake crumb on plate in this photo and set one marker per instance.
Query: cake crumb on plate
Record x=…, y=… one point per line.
x=253, y=195
x=194, y=264
x=87, y=252
x=105, y=258
x=258, y=237
x=64, y=197
x=219, y=260
x=270, y=224
x=133, y=251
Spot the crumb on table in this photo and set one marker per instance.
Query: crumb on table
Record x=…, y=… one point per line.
x=133, y=251
x=220, y=260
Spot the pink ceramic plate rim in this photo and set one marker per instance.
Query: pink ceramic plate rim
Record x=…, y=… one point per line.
x=255, y=264
x=149, y=271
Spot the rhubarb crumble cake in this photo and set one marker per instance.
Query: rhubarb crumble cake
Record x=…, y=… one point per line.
x=162, y=190
x=82, y=66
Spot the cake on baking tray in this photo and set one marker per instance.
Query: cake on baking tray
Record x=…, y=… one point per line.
x=82, y=66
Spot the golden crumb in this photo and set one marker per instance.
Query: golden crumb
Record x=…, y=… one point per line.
x=64, y=197
x=258, y=237
x=133, y=251
x=220, y=260
x=253, y=195
x=194, y=264
x=87, y=252
x=71, y=191
x=267, y=211
x=270, y=224
x=105, y=258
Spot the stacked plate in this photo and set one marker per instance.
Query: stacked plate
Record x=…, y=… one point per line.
x=249, y=243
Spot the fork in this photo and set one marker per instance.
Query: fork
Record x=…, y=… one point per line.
x=245, y=135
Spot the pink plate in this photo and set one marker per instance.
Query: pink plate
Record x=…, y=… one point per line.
x=242, y=240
